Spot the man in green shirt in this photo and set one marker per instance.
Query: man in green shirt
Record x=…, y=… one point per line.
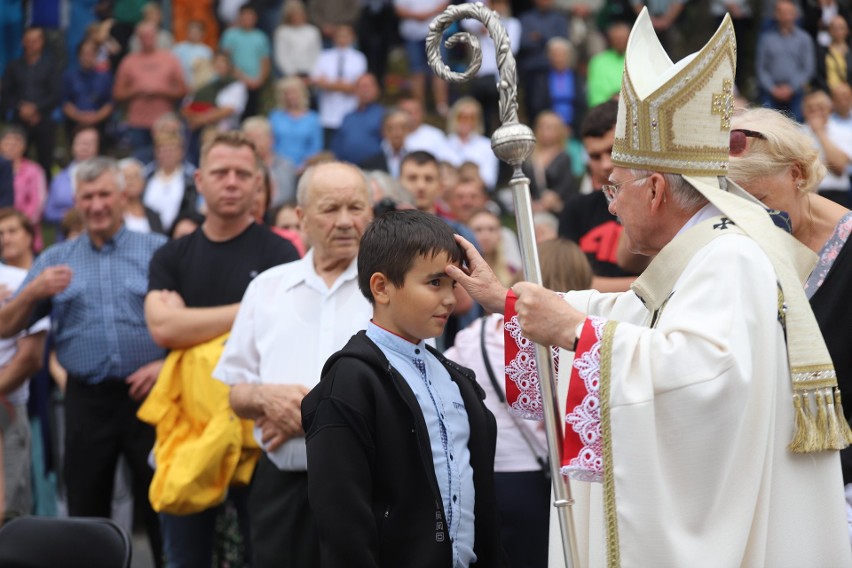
x=605, y=68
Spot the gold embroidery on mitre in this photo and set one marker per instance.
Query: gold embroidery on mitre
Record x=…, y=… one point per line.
x=677, y=128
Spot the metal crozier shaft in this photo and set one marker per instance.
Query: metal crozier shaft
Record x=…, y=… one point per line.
x=513, y=143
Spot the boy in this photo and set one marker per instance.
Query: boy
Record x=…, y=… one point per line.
x=400, y=445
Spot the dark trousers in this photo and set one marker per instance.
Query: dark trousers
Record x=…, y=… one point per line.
x=283, y=532
x=376, y=36
x=523, y=498
x=100, y=425
x=42, y=137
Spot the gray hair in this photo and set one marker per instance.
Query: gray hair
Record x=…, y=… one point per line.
x=93, y=168
x=684, y=195
x=131, y=161
x=303, y=188
x=257, y=123
x=546, y=219
x=388, y=186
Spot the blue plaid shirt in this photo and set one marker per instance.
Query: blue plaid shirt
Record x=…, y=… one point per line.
x=99, y=319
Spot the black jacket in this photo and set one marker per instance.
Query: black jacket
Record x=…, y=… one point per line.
x=371, y=479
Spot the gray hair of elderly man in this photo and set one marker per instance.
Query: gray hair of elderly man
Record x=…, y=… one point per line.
x=303, y=188
x=684, y=195
x=93, y=168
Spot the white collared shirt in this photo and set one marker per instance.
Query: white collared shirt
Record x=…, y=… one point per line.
x=288, y=325
x=346, y=64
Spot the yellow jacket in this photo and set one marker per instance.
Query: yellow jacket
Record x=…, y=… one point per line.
x=202, y=447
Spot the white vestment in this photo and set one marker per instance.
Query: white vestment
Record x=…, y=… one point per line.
x=696, y=413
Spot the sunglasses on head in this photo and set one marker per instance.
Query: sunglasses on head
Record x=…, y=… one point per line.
x=739, y=140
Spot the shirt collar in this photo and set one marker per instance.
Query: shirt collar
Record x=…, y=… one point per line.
x=395, y=343
x=110, y=243
x=308, y=274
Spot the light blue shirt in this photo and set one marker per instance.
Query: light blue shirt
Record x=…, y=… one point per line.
x=449, y=432
x=188, y=53
x=99, y=319
x=247, y=49
x=296, y=139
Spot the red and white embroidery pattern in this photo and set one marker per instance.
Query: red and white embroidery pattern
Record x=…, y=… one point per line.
x=523, y=372
x=585, y=418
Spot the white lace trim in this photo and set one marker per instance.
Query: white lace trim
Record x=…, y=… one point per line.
x=523, y=371
x=585, y=419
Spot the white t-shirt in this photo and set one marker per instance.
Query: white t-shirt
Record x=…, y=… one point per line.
x=429, y=139
x=296, y=49
x=839, y=132
x=338, y=64
x=234, y=96
x=489, y=52
x=478, y=150
x=164, y=194
x=11, y=277
x=288, y=325
x=416, y=30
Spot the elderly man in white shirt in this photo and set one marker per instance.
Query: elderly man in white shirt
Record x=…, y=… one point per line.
x=291, y=319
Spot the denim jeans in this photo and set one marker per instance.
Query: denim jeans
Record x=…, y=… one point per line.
x=189, y=540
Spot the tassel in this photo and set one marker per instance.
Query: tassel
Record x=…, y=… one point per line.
x=821, y=431
x=845, y=430
x=832, y=436
x=803, y=437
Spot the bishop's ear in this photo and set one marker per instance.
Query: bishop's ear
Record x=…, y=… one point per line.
x=379, y=285
x=658, y=190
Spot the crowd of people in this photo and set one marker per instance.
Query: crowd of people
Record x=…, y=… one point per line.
x=184, y=188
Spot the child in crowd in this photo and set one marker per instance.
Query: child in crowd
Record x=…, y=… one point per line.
x=400, y=445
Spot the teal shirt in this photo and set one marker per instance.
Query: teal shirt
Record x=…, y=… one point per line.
x=247, y=49
x=604, y=77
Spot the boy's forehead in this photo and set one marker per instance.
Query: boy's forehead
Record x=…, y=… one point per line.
x=434, y=261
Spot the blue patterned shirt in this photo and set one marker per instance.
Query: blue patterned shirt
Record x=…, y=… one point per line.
x=99, y=319
x=449, y=432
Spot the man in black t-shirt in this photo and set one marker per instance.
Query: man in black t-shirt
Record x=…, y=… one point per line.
x=195, y=286
x=585, y=218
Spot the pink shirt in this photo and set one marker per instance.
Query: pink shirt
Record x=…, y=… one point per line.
x=155, y=72
x=31, y=195
x=30, y=190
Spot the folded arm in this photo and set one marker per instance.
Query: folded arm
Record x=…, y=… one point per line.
x=175, y=326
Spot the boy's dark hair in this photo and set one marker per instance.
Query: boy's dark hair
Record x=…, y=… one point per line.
x=393, y=242
x=419, y=157
x=599, y=120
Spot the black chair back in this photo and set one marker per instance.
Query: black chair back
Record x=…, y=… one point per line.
x=76, y=542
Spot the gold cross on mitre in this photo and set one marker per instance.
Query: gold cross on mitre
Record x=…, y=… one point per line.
x=723, y=104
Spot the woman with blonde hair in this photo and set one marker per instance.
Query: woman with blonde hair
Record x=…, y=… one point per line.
x=776, y=161
x=295, y=127
x=296, y=43
x=466, y=142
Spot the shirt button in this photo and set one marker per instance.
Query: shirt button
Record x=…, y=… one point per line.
x=417, y=352
x=451, y=457
x=454, y=498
